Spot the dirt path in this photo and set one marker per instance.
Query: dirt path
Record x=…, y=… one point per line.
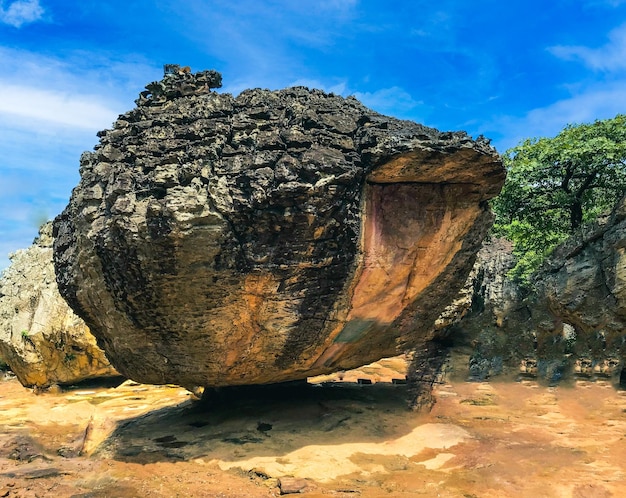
x=345, y=439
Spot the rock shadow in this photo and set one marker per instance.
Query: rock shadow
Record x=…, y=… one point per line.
x=258, y=421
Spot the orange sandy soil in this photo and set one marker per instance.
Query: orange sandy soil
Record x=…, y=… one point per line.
x=515, y=439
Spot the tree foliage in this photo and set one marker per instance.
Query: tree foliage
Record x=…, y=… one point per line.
x=555, y=186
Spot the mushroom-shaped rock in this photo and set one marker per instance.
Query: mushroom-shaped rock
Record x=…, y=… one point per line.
x=218, y=241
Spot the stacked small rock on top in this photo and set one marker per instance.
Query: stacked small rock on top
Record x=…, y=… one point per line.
x=178, y=82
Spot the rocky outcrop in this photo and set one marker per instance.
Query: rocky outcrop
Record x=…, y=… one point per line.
x=584, y=282
x=41, y=339
x=493, y=330
x=573, y=322
x=269, y=237
x=468, y=333
x=583, y=286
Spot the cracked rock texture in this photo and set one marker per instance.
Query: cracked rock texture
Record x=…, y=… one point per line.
x=572, y=323
x=584, y=282
x=41, y=338
x=277, y=235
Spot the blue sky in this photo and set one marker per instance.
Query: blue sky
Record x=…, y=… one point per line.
x=506, y=69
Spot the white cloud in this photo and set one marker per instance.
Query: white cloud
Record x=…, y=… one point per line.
x=588, y=102
x=21, y=12
x=77, y=71
x=83, y=91
x=610, y=57
x=394, y=101
x=78, y=111
x=600, y=102
x=50, y=111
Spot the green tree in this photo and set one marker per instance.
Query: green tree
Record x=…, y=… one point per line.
x=556, y=185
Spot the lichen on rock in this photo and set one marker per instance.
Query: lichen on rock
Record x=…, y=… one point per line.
x=216, y=241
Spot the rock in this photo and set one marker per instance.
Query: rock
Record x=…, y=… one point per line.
x=493, y=331
x=177, y=82
x=479, y=299
x=42, y=473
x=41, y=338
x=22, y=448
x=583, y=291
x=218, y=241
x=423, y=372
x=293, y=485
x=584, y=282
x=98, y=429
x=572, y=322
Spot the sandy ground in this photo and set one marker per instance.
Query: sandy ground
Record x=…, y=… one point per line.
x=343, y=439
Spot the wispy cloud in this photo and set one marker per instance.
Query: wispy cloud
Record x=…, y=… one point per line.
x=394, y=100
x=78, y=111
x=21, y=12
x=590, y=98
x=50, y=111
x=610, y=57
x=601, y=101
x=83, y=91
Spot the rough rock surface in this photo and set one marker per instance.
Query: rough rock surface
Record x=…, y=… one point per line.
x=583, y=287
x=41, y=338
x=269, y=237
x=585, y=281
x=493, y=331
x=574, y=320
x=470, y=324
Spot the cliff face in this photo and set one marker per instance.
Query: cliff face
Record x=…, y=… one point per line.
x=573, y=323
x=215, y=240
x=583, y=287
x=41, y=339
x=584, y=283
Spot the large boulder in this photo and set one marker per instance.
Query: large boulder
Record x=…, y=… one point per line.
x=41, y=338
x=217, y=241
